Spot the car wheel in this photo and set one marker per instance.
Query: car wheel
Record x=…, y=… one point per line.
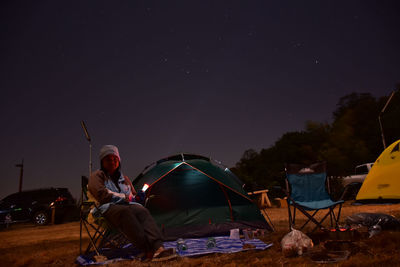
x=41, y=218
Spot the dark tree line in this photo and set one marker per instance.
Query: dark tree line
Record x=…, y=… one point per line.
x=353, y=138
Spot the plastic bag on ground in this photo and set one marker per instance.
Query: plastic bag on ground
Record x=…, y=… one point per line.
x=295, y=243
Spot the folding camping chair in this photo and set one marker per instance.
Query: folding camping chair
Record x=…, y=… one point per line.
x=306, y=189
x=101, y=234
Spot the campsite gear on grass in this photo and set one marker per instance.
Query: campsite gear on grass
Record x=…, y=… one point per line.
x=196, y=247
x=374, y=230
x=248, y=234
x=234, y=234
x=385, y=221
x=194, y=196
x=257, y=233
x=307, y=192
x=295, y=243
x=382, y=183
x=181, y=245
x=211, y=243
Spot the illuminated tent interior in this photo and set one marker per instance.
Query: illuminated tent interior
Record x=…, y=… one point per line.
x=193, y=196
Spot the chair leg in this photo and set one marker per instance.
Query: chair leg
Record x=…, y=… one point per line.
x=290, y=216
x=332, y=216
x=92, y=240
x=311, y=217
x=294, y=215
x=335, y=217
x=302, y=210
x=80, y=237
x=315, y=212
x=319, y=225
x=338, y=216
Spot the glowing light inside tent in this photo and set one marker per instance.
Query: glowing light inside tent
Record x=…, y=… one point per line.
x=145, y=186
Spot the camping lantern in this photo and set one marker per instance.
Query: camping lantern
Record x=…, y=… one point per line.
x=144, y=188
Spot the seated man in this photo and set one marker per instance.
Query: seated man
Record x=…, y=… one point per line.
x=115, y=195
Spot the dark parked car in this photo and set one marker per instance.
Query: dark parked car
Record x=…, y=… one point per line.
x=39, y=206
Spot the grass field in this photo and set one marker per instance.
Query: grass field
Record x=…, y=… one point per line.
x=58, y=245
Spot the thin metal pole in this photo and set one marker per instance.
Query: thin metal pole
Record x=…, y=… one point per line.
x=90, y=146
x=379, y=118
x=382, y=135
x=21, y=175
x=90, y=173
x=90, y=159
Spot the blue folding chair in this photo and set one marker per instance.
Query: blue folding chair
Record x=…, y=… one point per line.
x=306, y=189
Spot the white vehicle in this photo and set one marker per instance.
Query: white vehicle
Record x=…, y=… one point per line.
x=352, y=183
x=359, y=175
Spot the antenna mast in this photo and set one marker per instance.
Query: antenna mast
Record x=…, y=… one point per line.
x=90, y=146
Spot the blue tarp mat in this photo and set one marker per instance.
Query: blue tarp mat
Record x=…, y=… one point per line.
x=195, y=247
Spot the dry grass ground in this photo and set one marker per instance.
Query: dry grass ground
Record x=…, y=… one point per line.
x=58, y=245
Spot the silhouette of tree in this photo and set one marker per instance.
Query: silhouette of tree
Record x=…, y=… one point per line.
x=353, y=138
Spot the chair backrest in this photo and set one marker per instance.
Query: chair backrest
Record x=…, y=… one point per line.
x=84, y=184
x=307, y=183
x=87, y=196
x=88, y=203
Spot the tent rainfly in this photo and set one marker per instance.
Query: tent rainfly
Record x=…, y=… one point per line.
x=191, y=196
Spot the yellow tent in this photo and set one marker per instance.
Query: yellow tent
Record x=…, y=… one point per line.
x=383, y=180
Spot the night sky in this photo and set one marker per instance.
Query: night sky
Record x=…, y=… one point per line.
x=158, y=78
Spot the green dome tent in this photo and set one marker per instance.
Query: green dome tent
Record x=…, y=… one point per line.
x=190, y=196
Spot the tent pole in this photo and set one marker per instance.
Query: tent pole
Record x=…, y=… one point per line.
x=229, y=202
